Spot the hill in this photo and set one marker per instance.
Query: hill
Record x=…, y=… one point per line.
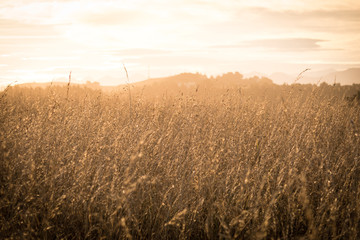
x=189, y=82
x=346, y=77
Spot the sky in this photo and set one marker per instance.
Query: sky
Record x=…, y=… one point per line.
x=43, y=40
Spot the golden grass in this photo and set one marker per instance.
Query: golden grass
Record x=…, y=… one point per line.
x=281, y=162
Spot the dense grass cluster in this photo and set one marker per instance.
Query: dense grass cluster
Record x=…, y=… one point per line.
x=252, y=163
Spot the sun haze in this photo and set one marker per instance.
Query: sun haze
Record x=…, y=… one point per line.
x=43, y=40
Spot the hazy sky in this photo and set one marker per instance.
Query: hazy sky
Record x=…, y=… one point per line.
x=45, y=39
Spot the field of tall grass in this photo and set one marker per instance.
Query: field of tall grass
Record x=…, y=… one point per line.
x=281, y=162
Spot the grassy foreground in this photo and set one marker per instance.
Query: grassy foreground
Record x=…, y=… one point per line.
x=256, y=163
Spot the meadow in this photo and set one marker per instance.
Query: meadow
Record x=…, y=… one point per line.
x=256, y=162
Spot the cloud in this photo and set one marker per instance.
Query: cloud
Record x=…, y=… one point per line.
x=342, y=20
x=175, y=60
x=16, y=36
x=112, y=17
x=138, y=52
x=259, y=22
x=281, y=44
x=16, y=28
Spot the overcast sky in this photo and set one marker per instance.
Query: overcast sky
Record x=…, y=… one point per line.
x=45, y=39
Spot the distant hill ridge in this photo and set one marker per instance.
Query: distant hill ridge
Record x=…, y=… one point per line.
x=346, y=77
x=184, y=80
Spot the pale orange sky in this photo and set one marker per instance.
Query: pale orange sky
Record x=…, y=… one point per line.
x=43, y=40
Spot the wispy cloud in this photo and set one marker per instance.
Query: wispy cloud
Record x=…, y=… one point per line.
x=109, y=17
x=339, y=20
x=10, y=27
x=280, y=44
x=138, y=52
